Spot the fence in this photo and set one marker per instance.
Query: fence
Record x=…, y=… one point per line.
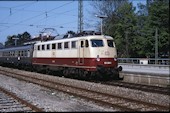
x=159, y=61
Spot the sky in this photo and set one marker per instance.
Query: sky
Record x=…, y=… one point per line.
x=16, y=17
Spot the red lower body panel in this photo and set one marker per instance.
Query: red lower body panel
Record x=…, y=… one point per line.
x=89, y=64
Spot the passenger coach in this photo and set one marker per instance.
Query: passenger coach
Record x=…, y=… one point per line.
x=17, y=56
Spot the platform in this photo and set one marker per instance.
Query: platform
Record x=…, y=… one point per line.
x=162, y=70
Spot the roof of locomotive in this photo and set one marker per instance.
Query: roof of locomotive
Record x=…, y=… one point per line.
x=75, y=38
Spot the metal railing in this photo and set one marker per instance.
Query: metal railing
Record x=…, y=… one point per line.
x=159, y=61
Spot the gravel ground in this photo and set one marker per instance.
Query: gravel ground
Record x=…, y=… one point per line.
x=47, y=99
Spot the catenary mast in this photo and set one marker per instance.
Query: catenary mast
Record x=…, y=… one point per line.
x=80, y=16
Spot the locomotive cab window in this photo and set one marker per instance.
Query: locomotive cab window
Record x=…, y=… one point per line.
x=110, y=43
x=96, y=43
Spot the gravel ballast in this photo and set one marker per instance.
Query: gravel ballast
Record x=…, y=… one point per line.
x=47, y=99
x=57, y=101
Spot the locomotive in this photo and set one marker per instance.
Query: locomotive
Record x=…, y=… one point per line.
x=88, y=56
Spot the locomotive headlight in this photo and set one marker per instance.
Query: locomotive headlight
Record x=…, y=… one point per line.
x=115, y=57
x=98, y=58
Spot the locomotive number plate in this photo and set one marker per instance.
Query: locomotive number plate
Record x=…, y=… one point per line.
x=107, y=62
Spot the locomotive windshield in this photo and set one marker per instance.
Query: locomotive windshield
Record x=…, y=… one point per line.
x=96, y=43
x=110, y=43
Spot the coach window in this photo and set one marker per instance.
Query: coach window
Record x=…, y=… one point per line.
x=66, y=45
x=59, y=45
x=13, y=53
x=53, y=46
x=48, y=46
x=73, y=44
x=10, y=53
x=43, y=47
x=28, y=53
x=22, y=53
x=25, y=53
x=16, y=53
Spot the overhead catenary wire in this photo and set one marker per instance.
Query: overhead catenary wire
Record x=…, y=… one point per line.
x=45, y=15
x=12, y=9
x=28, y=19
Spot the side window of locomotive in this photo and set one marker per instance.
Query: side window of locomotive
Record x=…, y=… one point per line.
x=48, y=46
x=86, y=43
x=110, y=43
x=73, y=44
x=82, y=43
x=53, y=46
x=66, y=45
x=43, y=47
x=97, y=43
x=59, y=45
x=38, y=47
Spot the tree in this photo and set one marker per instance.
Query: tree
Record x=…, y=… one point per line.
x=21, y=39
x=158, y=17
x=10, y=41
x=159, y=14
x=134, y=33
x=106, y=7
x=125, y=29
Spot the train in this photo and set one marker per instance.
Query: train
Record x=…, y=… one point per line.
x=88, y=56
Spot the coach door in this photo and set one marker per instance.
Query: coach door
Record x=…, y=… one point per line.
x=81, y=52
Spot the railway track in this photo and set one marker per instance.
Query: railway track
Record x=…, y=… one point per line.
x=115, y=101
x=141, y=87
x=9, y=102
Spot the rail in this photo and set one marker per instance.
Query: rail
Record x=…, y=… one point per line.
x=159, y=61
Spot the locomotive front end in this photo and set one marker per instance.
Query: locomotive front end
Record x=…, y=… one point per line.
x=106, y=63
